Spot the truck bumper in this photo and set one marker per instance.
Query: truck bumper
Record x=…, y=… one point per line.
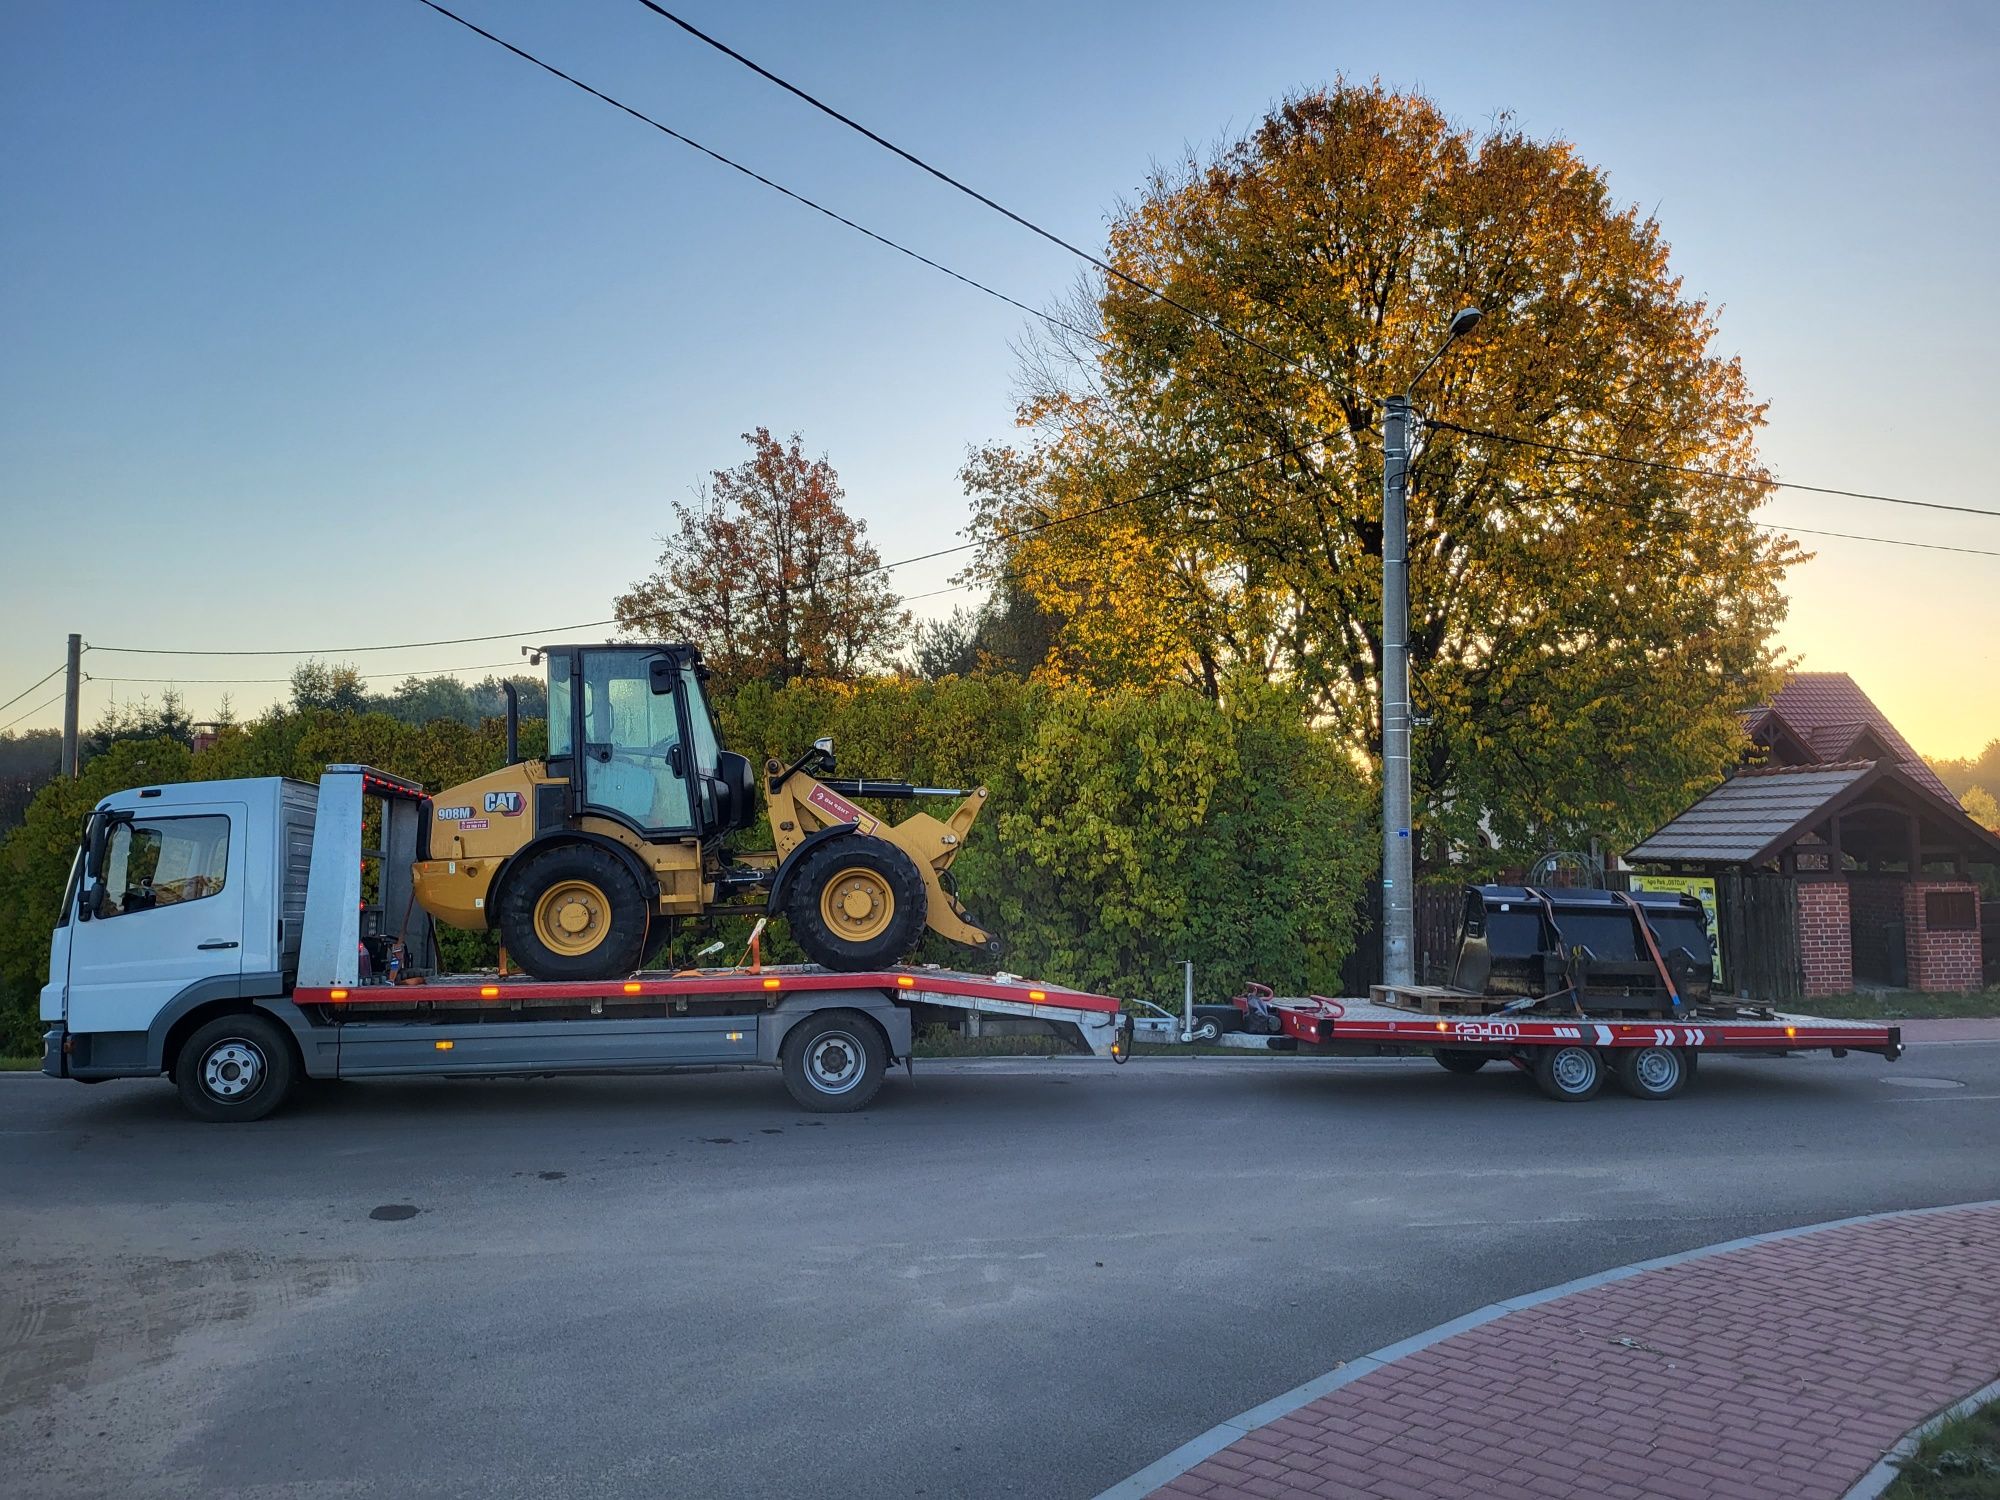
x=54, y=1058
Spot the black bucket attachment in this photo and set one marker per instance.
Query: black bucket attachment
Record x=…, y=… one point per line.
x=1643, y=952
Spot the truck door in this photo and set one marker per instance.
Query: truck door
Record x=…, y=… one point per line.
x=172, y=915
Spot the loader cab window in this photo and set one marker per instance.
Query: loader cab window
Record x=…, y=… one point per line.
x=634, y=764
x=558, y=709
x=707, y=743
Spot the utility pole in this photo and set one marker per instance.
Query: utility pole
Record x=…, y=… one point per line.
x=1399, y=891
x=72, y=688
x=1398, y=894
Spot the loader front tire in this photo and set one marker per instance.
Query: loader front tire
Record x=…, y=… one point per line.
x=574, y=912
x=856, y=903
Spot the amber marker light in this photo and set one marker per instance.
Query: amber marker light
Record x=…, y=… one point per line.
x=632, y=987
x=904, y=981
x=336, y=994
x=489, y=992
x=772, y=984
x=1038, y=995
x=444, y=1046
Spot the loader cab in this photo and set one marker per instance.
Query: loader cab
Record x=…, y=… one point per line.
x=631, y=729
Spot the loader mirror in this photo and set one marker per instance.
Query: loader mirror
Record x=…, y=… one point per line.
x=824, y=744
x=660, y=673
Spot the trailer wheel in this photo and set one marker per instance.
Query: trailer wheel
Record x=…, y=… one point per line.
x=1453, y=1060
x=1652, y=1072
x=234, y=1068
x=1570, y=1074
x=833, y=1062
x=856, y=903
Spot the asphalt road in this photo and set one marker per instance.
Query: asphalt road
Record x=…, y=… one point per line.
x=1006, y=1279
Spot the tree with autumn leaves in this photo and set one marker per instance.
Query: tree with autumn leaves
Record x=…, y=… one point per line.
x=1583, y=632
x=770, y=576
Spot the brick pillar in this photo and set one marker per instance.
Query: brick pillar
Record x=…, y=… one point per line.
x=1826, y=955
x=1940, y=960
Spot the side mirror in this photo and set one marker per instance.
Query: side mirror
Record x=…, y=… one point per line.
x=661, y=674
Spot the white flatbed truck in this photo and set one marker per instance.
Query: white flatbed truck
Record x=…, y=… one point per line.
x=241, y=935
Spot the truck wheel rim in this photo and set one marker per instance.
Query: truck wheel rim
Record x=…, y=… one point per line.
x=834, y=1062
x=232, y=1069
x=572, y=917
x=857, y=905
x=1657, y=1069
x=1573, y=1069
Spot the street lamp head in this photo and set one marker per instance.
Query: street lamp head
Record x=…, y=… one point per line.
x=1466, y=320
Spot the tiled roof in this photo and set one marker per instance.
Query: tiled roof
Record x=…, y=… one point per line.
x=1829, y=712
x=1740, y=820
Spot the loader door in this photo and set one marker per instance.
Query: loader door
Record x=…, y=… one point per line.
x=636, y=766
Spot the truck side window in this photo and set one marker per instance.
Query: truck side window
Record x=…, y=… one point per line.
x=164, y=862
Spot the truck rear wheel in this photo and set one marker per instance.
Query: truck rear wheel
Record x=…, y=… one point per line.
x=1570, y=1074
x=1652, y=1072
x=856, y=903
x=1453, y=1060
x=234, y=1068
x=833, y=1062
x=574, y=912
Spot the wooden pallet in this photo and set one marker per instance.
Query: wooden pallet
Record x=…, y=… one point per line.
x=1437, y=1000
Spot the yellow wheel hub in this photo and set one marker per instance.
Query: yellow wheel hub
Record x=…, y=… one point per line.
x=572, y=917
x=857, y=905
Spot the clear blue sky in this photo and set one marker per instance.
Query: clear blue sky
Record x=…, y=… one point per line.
x=331, y=324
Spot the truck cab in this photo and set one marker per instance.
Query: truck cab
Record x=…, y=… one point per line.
x=182, y=899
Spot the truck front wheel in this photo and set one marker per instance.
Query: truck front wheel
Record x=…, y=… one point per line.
x=834, y=1061
x=235, y=1068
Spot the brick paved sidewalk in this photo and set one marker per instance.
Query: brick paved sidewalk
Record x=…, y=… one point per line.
x=1785, y=1368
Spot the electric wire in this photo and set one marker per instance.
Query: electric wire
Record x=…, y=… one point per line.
x=359, y=676
x=1699, y=472
x=29, y=689
x=33, y=711
x=755, y=176
x=463, y=640
x=1207, y=320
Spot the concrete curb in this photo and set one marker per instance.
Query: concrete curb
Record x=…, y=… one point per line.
x=1884, y=1473
x=1220, y=1436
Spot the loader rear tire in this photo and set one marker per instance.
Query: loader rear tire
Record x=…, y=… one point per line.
x=574, y=912
x=856, y=903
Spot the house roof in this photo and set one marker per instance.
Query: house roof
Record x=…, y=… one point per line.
x=1828, y=713
x=1741, y=819
x=1755, y=815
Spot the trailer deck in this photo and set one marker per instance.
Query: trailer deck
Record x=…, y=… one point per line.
x=1322, y=1022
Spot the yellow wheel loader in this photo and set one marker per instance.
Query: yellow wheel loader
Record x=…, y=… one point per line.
x=579, y=858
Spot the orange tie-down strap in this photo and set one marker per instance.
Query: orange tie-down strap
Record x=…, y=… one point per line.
x=1646, y=932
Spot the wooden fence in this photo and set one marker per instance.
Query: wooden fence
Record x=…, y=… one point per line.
x=1759, y=918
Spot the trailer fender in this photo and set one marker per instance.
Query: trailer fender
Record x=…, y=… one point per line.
x=789, y=865
x=773, y=1025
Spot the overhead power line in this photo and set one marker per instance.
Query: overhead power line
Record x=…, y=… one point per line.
x=1699, y=472
x=33, y=711
x=755, y=176
x=494, y=666
x=1887, y=541
x=29, y=689
x=462, y=640
x=1207, y=320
